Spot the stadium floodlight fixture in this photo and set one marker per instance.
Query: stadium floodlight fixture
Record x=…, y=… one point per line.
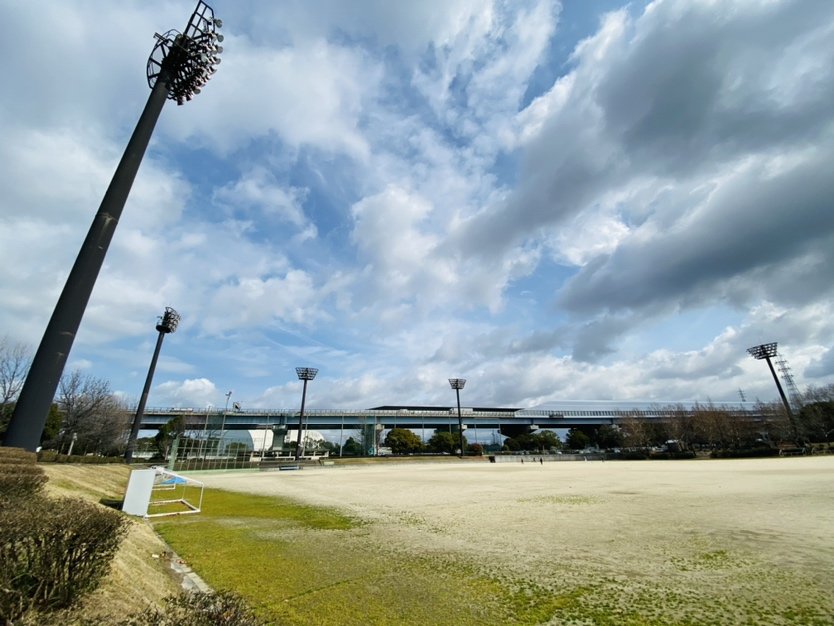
x=175, y=70
x=763, y=351
x=182, y=60
x=168, y=323
x=306, y=374
x=767, y=351
x=457, y=384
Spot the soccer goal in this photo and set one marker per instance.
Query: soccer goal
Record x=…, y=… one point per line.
x=157, y=492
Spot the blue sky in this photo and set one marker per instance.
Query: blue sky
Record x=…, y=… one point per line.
x=557, y=201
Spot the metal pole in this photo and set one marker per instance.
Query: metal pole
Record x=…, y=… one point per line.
x=204, y=443
x=223, y=423
x=140, y=410
x=299, y=449
x=342, y=436
x=32, y=408
x=460, y=422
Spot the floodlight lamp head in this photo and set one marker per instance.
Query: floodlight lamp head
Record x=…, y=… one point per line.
x=181, y=59
x=306, y=373
x=169, y=321
x=457, y=383
x=763, y=351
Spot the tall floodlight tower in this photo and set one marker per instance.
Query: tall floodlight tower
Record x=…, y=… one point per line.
x=305, y=374
x=180, y=64
x=457, y=384
x=167, y=324
x=790, y=383
x=767, y=351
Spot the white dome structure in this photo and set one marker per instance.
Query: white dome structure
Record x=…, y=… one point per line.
x=311, y=436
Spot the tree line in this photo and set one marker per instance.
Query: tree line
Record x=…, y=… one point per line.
x=716, y=427
x=702, y=427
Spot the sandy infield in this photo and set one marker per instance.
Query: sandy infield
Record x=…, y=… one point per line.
x=734, y=534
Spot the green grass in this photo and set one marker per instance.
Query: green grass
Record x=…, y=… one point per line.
x=297, y=564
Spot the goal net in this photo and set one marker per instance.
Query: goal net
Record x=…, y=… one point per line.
x=174, y=494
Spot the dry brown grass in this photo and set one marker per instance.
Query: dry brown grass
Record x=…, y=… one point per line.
x=136, y=579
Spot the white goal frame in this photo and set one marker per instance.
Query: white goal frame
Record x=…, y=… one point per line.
x=179, y=489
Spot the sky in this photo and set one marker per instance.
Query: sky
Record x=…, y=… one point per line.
x=576, y=200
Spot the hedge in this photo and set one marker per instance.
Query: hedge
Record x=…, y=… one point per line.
x=52, y=456
x=54, y=552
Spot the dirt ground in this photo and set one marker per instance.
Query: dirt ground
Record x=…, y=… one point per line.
x=736, y=540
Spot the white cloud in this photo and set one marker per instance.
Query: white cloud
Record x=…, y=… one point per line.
x=192, y=392
x=312, y=95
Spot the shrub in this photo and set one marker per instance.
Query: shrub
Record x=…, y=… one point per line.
x=54, y=552
x=19, y=476
x=669, y=456
x=744, y=453
x=20, y=481
x=16, y=455
x=633, y=455
x=223, y=608
x=52, y=456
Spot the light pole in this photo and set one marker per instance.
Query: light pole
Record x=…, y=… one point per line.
x=202, y=449
x=223, y=422
x=767, y=351
x=179, y=65
x=167, y=324
x=305, y=374
x=457, y=384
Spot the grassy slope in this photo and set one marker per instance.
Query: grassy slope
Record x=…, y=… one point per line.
x=136, y=578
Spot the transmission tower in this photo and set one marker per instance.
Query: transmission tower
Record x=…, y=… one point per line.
x=787, y=378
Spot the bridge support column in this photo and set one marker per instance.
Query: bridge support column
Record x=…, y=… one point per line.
x=279, y=433
x=514, y=430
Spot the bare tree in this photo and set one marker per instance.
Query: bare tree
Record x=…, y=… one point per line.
x=636, y=430
x=774, y=426
x=15, y=358
x=93, y=416
x=681, y=425
x=816, y=417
